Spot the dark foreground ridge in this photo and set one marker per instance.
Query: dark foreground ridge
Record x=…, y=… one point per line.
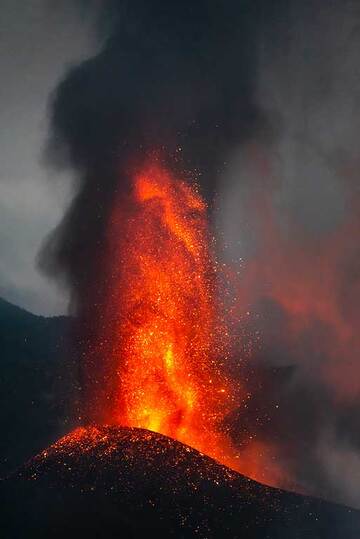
x=121, y=482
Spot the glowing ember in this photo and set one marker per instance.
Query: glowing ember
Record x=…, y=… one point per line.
x=166, y=340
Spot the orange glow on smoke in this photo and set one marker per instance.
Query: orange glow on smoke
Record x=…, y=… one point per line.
x=306, y=276
x=167, y=341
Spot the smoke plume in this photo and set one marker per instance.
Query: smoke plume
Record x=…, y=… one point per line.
x=259, y=100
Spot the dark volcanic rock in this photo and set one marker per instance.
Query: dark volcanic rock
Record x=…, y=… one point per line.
x=122, y=482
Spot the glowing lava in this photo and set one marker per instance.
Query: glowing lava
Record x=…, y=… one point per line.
x=166, y=339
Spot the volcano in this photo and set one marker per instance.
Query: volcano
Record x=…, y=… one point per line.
x=112, y=481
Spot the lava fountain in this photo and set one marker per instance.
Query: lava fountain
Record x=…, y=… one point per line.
x=164, y=336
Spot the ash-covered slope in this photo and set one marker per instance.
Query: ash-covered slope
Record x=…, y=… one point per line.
x=122, y=482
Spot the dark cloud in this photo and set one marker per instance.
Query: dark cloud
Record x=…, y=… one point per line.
x=38, y=41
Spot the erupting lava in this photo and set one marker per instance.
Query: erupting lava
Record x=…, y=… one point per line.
x=166, y=339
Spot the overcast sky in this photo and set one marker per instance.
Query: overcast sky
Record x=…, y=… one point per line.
x=53, y=35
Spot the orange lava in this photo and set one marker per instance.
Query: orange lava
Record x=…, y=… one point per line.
x=166, y=338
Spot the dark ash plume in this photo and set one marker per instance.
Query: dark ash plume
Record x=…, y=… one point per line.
x=172, y=77
x=245, y=94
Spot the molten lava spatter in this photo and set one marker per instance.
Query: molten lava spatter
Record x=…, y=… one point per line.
x=167, y=341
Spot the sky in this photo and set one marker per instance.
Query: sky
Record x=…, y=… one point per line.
x=39, y=40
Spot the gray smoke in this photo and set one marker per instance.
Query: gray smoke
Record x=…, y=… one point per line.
x=290, y=211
